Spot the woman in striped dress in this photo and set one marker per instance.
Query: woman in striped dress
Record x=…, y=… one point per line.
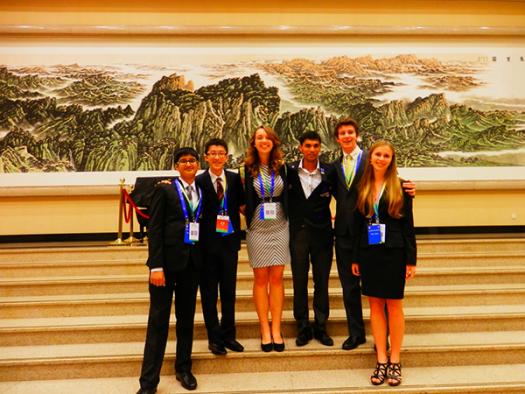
x=267, y=235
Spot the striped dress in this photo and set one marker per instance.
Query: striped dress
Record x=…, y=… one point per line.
x=268, y=240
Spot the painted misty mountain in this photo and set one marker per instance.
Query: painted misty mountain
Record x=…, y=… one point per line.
x=75, y=118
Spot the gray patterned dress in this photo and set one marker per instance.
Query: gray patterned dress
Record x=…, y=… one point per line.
x=268, y=240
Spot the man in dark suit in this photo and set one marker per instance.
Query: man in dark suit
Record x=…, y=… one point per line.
x=174, y=260
x=311, y=238
x=347, y=172
x=221, y=241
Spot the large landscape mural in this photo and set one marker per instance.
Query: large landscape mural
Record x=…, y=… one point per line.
x=84, y=109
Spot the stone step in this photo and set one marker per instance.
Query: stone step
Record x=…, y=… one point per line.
x=73, y=267
x=137, y=303
x=467, y=379
x=101, y=254
x=89, y=284
x=136, y=266
x=65, y=253
x=487, y=379
x=132, y=328
x=20, y=363
x=94, y=250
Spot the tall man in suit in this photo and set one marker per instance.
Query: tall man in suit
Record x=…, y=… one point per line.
x=347, y=172
x=311, y=238
x=174, y=260
x=221, y=241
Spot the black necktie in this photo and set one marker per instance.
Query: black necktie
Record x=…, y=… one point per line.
x=220, y=189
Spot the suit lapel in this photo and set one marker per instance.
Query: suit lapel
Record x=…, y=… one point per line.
x=340, y=173
x=180, y=197
x=296, y=179
x=208, y=185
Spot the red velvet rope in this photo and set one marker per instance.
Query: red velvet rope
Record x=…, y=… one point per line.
x=129, y=200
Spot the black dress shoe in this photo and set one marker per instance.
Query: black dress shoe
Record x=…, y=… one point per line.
x=353, y=342
x=324, y=338
x=217, y=349
x=303, y=337
x=233, y=345
x=187, y=380
x=147, y=391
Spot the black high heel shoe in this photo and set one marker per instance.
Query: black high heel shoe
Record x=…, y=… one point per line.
x=279, y=347
x=266, y=347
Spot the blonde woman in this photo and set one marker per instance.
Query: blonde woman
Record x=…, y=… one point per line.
x=267, y=235
x=384, y=255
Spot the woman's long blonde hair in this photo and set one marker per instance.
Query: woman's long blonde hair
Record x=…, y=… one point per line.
x=393, y=193
x=252, y=160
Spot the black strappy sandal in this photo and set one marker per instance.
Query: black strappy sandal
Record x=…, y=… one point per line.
x=379, y=375
x=394, y=374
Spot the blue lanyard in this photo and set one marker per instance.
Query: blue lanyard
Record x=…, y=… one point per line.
x=376, y=202
x=183, y=197
x=272, y=185
x=356, y=167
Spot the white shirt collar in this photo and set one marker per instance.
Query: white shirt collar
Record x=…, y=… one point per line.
x=214, y=177
x=317, y=169
x=354, y=153
x=187, y=184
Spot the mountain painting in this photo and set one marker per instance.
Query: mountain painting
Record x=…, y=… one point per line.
x=85, y=109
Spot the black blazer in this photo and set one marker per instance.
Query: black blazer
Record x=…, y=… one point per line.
x=400, y=233
x=252, y=200
x=313, y=211
x=346, y=197
x=234, y=197
x=166, y=247
x=141, y=195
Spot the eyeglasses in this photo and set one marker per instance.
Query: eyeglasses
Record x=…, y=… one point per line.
x=187, y=161
x=216, y=154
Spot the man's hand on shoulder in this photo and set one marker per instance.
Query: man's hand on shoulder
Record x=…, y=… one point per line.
x=410, y=188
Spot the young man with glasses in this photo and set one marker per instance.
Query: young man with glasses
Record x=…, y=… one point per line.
x=174, y=260
x=221, y=241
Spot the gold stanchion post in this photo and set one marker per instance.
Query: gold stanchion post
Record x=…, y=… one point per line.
x=119, y=241
x=131, y=239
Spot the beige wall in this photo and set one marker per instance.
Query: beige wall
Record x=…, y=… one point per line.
x=70, y=210
x=91, y=210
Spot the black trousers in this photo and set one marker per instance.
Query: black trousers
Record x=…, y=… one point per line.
x=351, y=287
x=310, y=244
x=219, y=277
x=184, y=284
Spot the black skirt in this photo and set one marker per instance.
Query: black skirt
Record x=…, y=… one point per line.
x=383, y=271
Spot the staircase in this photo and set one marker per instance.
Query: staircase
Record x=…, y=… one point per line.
x=73, y=319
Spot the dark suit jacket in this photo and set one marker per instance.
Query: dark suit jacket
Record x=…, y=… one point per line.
x=210, y=239
x=252, y=200
x=400, y=233
x=313, y=211
x=166, y=245
x=346, y=198
x=142, y=193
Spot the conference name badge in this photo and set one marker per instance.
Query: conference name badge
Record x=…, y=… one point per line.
x=376, y=234
x=223, y=224
x=191, y=235
x=270, y=210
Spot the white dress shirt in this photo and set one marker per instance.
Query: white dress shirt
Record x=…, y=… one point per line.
x=309, y=180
